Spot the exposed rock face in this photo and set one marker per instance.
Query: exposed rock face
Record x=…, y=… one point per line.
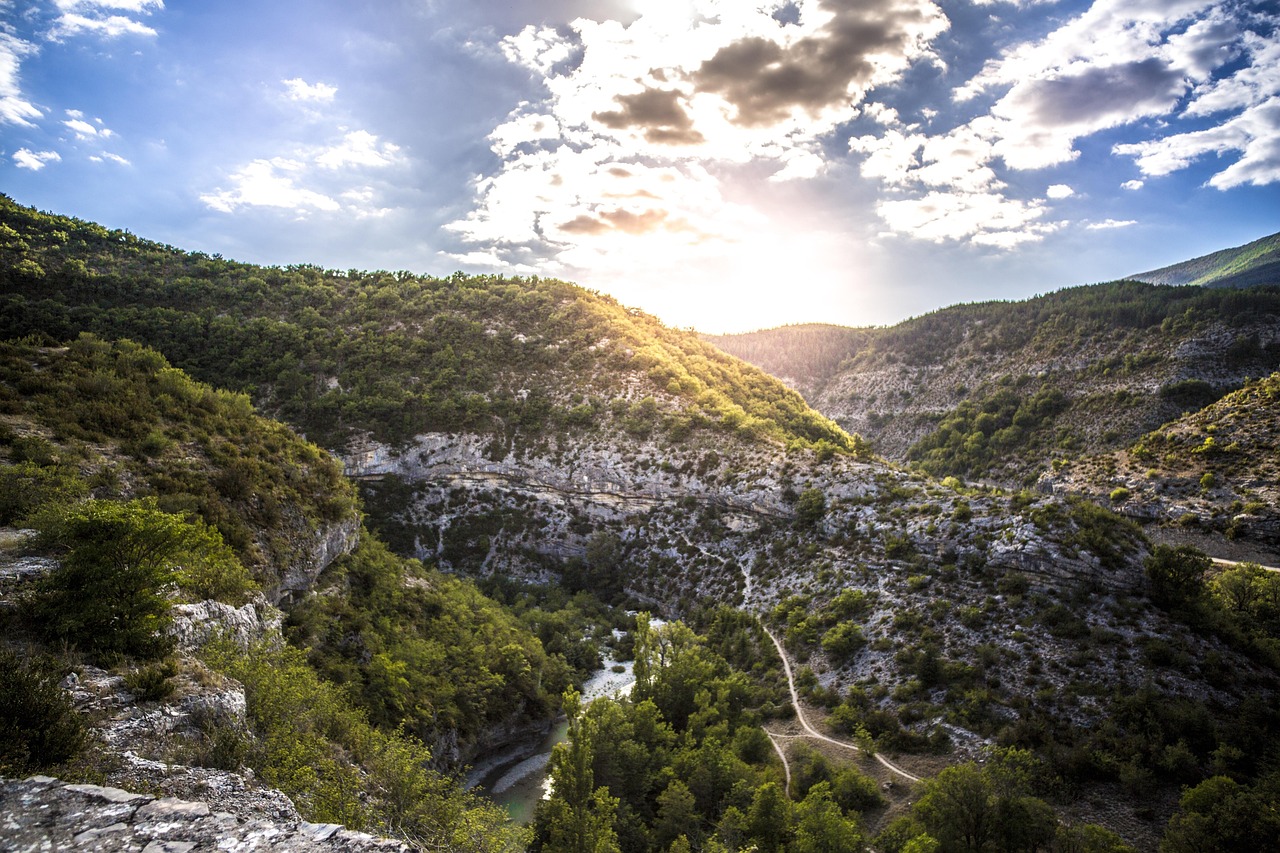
x=692, y=520
x=326, y=545
x=41, y=813
x=196, y=624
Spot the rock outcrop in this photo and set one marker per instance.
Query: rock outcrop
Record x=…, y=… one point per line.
x=40, y=813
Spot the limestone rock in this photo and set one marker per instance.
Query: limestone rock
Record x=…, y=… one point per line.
x=41, y=813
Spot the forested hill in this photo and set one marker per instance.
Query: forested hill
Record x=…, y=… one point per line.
x=1244, y=266
x=998, y=390
x=392, y=354
x=804, y=356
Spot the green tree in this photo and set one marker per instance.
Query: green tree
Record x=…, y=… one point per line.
x=1177, y=575
x=677, y=814
x=958, y=808
x=769, y=818
x=38, y=726
x=1222, y=814
x=820, y=825
x=578, y=817
x=1241, y=587
x=109, y=595
x=811, y=506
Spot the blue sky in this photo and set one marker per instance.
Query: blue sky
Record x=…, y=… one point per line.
x=723, y=164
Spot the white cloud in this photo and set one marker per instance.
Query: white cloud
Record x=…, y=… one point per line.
x=317, y=179
x=358, y=148
x=109, y=26
x=1132, y=185
x=14, y=106
x=1115, y=65
x=25, y=158
x=114, y=158
x=136, y=6
x=269, y=183
x=96, y=17
x=1111, y=223
x=297, y=89
x=85, y=130
x=985, y=219
x=1253, y=134
x=628, y=160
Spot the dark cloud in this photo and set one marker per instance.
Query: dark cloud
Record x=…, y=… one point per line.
x=635, y=223
x=658, y=112
x=584, y=224
x=765, y=80
x=625, y=221
x=1134, y=88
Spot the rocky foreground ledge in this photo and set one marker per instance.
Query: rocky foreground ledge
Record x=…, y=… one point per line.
x=44, y=814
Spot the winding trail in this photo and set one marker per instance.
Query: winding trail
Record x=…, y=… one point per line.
x=1218, y=561
x=786, y=766
x=814, y=733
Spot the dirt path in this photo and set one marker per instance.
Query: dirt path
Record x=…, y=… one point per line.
x=1218, y=561
x=814, y=733
x=786, y=765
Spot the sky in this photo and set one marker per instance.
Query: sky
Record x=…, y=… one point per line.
x=723, y=164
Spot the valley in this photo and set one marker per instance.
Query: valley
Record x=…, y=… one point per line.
x=965, y=568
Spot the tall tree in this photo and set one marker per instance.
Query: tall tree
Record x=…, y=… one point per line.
x=579, y=817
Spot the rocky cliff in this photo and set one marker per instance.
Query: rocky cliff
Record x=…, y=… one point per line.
x=41, y=813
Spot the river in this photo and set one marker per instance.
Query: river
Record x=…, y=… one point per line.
x=520, y=784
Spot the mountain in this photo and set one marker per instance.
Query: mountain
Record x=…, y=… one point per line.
x=997, y=391
x=1244, y=266
x=523, y=429
x=150, y=526
x=1214, y=470
x=803, y=356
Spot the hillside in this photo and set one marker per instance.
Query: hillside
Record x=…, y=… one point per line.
x=144, y=517
x=1253, y=264
x=524, y=430
x=341, y=355
x=997, y=391
x=1211, y=471
x=805, y=357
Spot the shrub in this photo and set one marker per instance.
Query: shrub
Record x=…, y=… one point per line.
x=151, y=683
x=38, y=726
x=811, y=506
x=1177, y=574
x=109, y=596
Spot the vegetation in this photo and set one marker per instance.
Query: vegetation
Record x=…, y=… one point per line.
x=109, y=593
x=1253, y=263
x=313, y=745
x=806, y=355
x=926, y=608
x=132, y=472
x=38, y=726
x=978, y=432
x=423, y=652
x=395, y=354
x=92, y=417
x=684, y=764
x=969, y=808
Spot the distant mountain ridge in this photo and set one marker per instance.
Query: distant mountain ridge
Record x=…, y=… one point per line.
x=1244, y=266
x=996, y=391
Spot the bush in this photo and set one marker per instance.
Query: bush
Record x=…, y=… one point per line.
x=151, y=683
x=109, y=596
x=1177, y=575
x=38, y=726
